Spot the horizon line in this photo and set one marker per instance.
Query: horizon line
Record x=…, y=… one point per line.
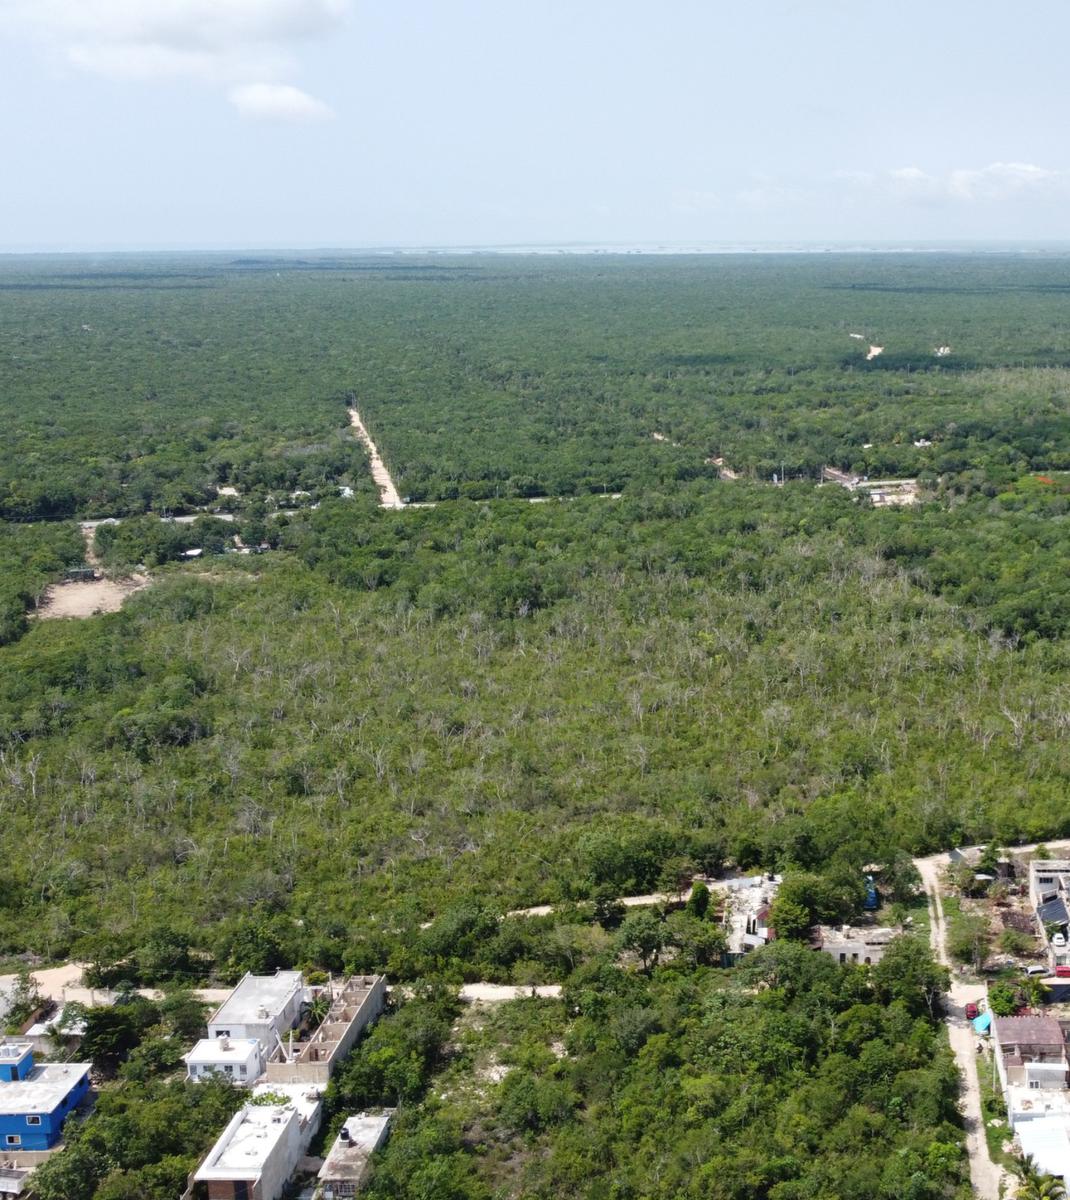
x=577, y=248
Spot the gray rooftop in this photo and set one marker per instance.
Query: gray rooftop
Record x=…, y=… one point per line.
x=1028, y=1031
x=348, y=1159
x=255, y=993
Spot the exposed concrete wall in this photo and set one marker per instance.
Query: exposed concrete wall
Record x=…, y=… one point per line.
x=356, y=1005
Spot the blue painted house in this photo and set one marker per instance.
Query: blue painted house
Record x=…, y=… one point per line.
x=36, y=1100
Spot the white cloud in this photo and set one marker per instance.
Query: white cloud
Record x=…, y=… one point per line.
x=1000, y=180
x=277, y=102
x=692, y=200
x=229, y=42
x=997, y=182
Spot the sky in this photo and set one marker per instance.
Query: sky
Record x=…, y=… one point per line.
x=174, y=124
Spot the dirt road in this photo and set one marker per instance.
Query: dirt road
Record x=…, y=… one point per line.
x=988, y=1178
x=388, y=493
x=650, y=900
x=66, y=983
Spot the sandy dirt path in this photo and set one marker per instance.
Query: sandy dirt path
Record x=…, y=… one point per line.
x=66, y=983
x=388, y=493
x=89, y=533
x=985, y=1175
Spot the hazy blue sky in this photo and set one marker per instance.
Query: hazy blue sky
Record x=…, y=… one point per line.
x=153, y=123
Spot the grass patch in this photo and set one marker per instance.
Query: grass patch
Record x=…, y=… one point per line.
x=993, y=1108
x=917, y=910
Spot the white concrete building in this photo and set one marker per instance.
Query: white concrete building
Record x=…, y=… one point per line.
x=256, y=1155
x=265, y=1007
x=342, y=1174
x=1047, y=1141
x=241, y=1060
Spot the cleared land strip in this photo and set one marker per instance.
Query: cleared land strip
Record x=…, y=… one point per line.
x=388, y=492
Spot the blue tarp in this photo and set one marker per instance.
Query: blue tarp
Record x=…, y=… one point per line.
x=981, y=1024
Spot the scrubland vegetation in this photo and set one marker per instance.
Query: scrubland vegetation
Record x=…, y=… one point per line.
x=357, y=751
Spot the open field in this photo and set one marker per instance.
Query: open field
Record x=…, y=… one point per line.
x=80, y=600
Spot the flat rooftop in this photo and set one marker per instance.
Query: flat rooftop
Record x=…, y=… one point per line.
x=361, y=1136
x=43, y=1090
x=870, y=935
x=1047, y=1141
x=222, y=1050
x=1029, y=1031
x=43, y=1028
x=246, y=1143
x=1030, y=1103
x=305, y=1097
x=243, y=1147
x=256, y=992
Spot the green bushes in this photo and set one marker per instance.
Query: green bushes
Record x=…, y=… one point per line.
x=789, y=1076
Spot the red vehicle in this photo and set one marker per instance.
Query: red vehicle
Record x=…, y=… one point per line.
x=972, y=1011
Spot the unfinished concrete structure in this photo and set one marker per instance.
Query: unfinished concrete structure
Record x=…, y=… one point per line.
x=354, y=1004
x=746, y=913
x=852, y=943
x=343, y=1172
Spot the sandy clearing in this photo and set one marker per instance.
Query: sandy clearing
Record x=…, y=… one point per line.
x=498, y=993
x=51, y=981
x=873, y=352
x=388, y=493
x=80, y=600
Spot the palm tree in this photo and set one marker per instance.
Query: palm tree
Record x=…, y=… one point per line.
x=1041, y=1187
x=317, y=1008
x=1035, y=1183
x=1034, y=991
